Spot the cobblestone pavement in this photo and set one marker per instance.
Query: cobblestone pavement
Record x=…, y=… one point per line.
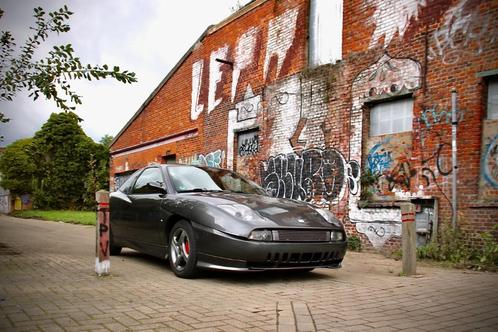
x=47, y=283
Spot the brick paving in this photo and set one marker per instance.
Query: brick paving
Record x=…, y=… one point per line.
x=47, y=283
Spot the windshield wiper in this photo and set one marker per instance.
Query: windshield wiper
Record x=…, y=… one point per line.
x=200, y=190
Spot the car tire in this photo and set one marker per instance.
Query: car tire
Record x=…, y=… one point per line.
x=182, y=250
x=113, y=249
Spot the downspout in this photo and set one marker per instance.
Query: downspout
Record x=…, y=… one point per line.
x=454, y=124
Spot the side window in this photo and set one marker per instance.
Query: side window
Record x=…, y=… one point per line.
x=493, y=99
x=147, y=176
x=123, y=181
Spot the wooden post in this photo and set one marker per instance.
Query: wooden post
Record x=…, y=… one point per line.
x=409, y=239
x=102, y=262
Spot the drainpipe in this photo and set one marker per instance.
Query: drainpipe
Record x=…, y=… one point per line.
x=454, y=124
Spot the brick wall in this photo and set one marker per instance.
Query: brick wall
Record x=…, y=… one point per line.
x=304, y=132
x=429, y=47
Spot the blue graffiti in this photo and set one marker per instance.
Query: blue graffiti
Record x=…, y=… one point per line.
x=379, y=159
x=433, y=116
x=212, y=159
x=490, y=163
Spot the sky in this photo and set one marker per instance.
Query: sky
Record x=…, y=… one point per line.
x=147, y=37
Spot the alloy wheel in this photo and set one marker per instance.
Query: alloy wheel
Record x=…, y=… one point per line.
x=180, y=249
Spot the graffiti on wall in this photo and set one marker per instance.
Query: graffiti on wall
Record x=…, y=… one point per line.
x=379, y=225
x=436, y=149
x=313, y=175
x=215, y=74
x=389, y=159
x=385, y=78
x=243, y=116
x=250, y=107
x=399, y=176
x=437, y=162
x=433, y=116
x=248, y=143
x=379, y=233
x=388, y=77
x=464, y=31
x=490, y=163
x=279, y=43
x=196, y=108
x=284, y=106
x=281, y=35
x=379, y=159
x=391, y=17
x=245, y=53
x=298, y=107
x=211, y=159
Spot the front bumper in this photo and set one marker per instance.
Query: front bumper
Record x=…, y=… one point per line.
x=217, y=250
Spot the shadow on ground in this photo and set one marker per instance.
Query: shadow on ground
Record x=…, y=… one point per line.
x=233, y=277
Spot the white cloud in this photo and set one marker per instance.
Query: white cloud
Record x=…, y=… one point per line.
x=147, y=37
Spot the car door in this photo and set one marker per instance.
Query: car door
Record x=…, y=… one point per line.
x=145, y=225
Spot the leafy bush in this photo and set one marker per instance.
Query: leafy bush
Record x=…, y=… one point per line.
x=17, y=167
x=488, y=254
x=453, y=247
x=367, y=182
x=61, y=167
x=354, y=243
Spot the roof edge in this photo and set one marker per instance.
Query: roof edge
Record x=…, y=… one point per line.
x=159, y=86
x=209, y=30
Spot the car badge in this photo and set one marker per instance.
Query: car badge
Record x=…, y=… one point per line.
x=302, y=221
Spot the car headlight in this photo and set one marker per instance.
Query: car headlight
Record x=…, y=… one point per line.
x=336, y=236
x=240, y=211
x=329, y=216
x=261, y=235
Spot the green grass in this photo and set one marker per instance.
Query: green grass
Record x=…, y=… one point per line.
x=69, y=216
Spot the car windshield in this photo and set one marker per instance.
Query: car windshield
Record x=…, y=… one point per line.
x=195, y=179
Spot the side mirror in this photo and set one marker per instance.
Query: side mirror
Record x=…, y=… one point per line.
x=156, y=187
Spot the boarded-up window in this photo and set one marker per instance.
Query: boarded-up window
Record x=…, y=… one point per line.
x=248, y=143
x=325, y=32
x=391, y=117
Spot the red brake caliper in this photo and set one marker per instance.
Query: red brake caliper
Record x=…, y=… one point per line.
x=187, y=247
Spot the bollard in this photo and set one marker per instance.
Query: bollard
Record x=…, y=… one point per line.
x=409, y=239
x=102, y=262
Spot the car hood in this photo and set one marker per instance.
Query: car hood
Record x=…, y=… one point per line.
x=274, y=212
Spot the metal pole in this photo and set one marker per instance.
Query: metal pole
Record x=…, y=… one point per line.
x=454, y=124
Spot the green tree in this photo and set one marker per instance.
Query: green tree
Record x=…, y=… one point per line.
x=98, y=175
x=106, y=140
x=63, y=155
x=17, y=167
x=51, y=74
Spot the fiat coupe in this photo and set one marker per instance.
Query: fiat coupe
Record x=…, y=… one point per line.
x=211, y=218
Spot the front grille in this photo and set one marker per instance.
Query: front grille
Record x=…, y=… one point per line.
x=292, y=260
x=293, y=235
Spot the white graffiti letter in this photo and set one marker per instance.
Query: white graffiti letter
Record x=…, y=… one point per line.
x=244, y=54
x=281, y=32
x=196, y=89
x=215, y=76
x=391, y=17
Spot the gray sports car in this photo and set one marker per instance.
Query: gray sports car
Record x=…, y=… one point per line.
x=203, y=217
